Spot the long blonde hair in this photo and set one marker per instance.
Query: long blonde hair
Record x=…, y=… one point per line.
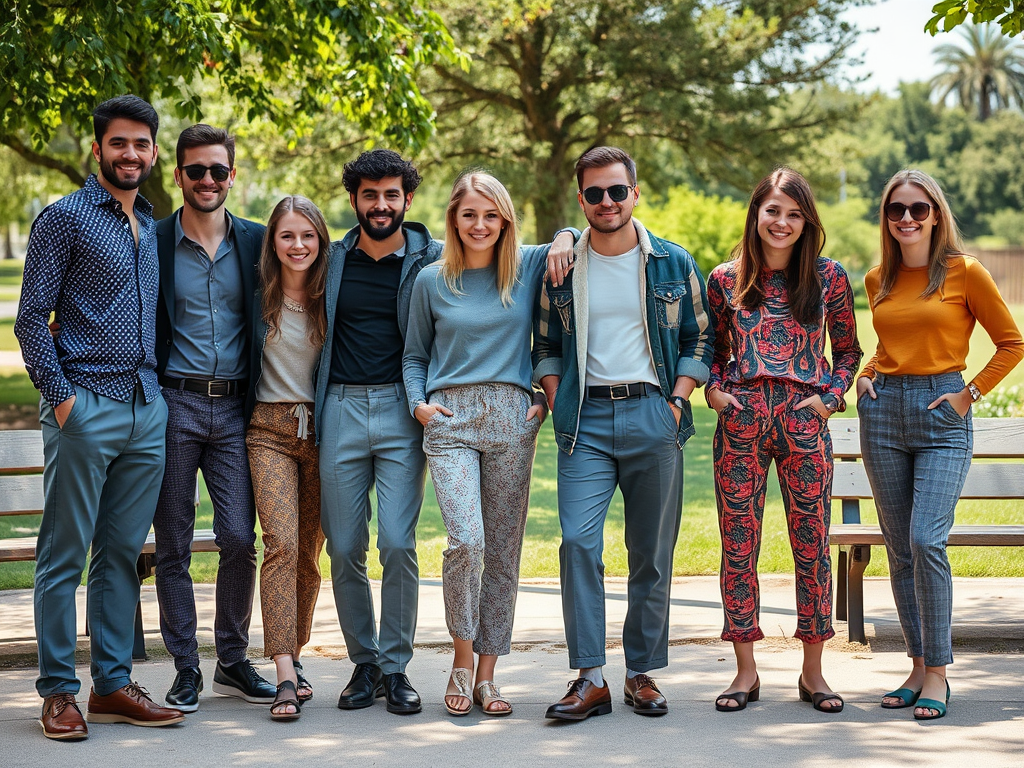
x=316, y=276
x=506, y=249
x=945, y=243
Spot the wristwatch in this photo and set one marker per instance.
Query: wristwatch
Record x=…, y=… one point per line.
x=677, y=401
x=975, y=392
x=830, y=401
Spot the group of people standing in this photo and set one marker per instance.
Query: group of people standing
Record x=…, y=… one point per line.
x=299, y=374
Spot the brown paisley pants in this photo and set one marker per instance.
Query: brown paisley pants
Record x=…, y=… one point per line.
x=286, y=484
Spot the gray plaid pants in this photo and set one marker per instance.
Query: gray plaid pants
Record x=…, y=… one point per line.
x=917, y=460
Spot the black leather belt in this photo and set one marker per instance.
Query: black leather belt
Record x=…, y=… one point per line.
x=622, y=391
x=208, y=387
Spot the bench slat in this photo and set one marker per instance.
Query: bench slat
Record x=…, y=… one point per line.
x=961, y=535
x=984, y=481
x=14, y=550
x=21, y=451
x=993, y=438
x=21, y=495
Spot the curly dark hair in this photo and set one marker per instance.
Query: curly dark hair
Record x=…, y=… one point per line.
x=380, y=164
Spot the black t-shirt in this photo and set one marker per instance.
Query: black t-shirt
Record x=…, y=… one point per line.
x=367, y=343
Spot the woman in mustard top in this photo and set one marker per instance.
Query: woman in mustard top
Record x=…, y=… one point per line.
x=915, y=412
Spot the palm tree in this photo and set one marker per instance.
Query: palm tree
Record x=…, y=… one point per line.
x=987, y=74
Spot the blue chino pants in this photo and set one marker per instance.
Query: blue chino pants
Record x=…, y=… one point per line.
x=630, y=444
x=101, y=478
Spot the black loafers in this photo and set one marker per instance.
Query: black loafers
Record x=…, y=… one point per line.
x=184, y=693
x=402, y=697
x=363, y=688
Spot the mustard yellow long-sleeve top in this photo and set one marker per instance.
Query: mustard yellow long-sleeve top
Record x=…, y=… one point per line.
x=923, y=337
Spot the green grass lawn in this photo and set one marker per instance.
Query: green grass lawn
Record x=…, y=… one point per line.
x=7, y=339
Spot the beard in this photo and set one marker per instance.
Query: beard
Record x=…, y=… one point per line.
x=189, y=195
x=608, y=227
x=109, y=171
x=380, y=233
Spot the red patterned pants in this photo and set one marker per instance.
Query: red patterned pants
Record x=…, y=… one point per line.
x=769, y=427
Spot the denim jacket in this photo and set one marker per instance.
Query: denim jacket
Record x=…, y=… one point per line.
x=420, y=250
x=676, y=318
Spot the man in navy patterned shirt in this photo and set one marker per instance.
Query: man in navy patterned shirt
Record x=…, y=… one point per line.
x=92, y=261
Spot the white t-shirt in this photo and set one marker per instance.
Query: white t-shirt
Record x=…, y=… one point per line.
x=617, y=348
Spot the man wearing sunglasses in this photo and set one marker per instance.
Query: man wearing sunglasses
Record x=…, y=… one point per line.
x=208, y=263
x=618, y=348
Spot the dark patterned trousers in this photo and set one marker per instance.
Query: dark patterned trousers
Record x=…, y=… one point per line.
x=205, y=433
x=746, y=441
x=286, y=484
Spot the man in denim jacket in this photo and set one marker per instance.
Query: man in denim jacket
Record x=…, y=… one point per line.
x=618, y=349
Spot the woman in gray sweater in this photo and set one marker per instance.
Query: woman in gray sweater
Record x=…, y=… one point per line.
x=468, y=378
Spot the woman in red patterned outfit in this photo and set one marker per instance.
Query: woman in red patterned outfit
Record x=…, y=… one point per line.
x=774, y=390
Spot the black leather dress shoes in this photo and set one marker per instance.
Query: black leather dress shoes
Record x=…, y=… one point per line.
x=363, y=688
x=184, y=693
x=402, y=697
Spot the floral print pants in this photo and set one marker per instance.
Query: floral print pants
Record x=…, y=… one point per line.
x=746, y=441
x=480, y=460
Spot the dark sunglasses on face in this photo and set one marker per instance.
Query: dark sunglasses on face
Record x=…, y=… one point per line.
x=918, y=211
x=617, y=192
x=217, y=172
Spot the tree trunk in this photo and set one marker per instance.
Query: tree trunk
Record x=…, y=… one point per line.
x=153, y=190
x=8, y=245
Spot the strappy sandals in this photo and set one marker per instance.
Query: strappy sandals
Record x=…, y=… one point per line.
x=740, y=697
x=485, y=694
x=459, y=687
x=820, y=697
x=304, y=691
x=286, y=694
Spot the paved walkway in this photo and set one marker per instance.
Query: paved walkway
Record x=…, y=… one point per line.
x=985, y=725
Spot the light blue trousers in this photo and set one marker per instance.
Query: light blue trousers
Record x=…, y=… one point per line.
x=101, y=479
x=369, y=439
x=630, y=444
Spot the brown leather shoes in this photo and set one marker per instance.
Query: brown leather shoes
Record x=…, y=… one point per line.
x=62, y=719
x=582, y=700
x=641, y=693
x=130, y=704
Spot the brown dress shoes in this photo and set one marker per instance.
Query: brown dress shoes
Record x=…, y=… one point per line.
x=641, y=693
x=130, y=704
x=62, y=719
x=581, y=701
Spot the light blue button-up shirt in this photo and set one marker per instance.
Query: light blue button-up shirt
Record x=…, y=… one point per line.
x=209, y=311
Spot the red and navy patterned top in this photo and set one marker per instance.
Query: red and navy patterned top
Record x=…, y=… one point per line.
x=769, y=342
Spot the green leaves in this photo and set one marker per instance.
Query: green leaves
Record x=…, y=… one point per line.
x=280, y=58
x=952, y=13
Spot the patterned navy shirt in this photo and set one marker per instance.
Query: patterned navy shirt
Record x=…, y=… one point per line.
x=83, y=264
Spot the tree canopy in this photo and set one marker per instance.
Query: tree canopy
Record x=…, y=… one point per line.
x=279, y=59
x=949, y=14
x=714, y=80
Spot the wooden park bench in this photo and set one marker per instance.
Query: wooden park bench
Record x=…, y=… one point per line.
x=993, y=439
x=21, y=493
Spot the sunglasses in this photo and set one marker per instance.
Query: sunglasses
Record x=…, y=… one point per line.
x=617, y=192
x=918, y=211
x=217, y=172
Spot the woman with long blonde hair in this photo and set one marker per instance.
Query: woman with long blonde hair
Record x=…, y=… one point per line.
x=915, y=412
x=468, y=377
x=290, y=328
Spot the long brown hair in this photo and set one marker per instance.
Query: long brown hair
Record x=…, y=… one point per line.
x=803, y=282
x=506, y=249
x=946, y=240
x=316, y=276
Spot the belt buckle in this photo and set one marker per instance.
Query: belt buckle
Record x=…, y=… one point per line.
x=223, y=385
x=624, y=388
